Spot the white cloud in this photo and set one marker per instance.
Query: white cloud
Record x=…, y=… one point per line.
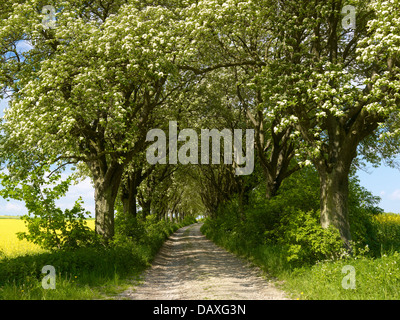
x=83, y=189
x=24, y=46
x=395, y=195
x=13, y=208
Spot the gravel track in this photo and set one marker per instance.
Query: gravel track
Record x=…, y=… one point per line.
x=191, y=267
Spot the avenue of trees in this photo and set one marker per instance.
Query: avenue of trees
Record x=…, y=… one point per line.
x=318, y=93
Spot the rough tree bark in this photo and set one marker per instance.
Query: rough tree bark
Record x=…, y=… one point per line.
x=334, y=190
x=128, y=198
x=334, y=163
x=106, y=183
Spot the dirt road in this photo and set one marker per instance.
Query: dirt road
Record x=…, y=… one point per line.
x=189, y=266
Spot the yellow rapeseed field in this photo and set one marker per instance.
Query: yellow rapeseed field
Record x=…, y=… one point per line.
x=388, y=218
x=10, y=245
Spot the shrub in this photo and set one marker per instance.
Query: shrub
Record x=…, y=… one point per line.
x=291, y=220
x=306, y=241
x=128, y=229
x=49, y=226
x=54, y=229
x=363, y=206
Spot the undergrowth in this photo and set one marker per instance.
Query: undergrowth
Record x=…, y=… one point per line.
x=88, y=272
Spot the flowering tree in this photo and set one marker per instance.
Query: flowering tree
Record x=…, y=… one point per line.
x=236, y=36
x=316, y=89
x=333, y=87
x=89, y=88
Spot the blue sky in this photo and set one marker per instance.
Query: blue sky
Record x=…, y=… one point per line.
x=385, y=183
x=382, y=181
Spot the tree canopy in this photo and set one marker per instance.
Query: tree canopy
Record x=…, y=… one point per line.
x=316, y=90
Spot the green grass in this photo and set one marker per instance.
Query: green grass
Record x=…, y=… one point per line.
x=84, y=273
x=375, y=278
x=87, y=273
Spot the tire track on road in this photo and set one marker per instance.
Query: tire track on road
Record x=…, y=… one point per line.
x=191, y=267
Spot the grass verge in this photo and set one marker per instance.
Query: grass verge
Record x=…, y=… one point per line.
x=374, y=278
x=84, y=273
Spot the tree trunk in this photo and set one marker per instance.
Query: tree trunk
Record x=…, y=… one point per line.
x=129, y=204
x=243, y=201
x=106, y=183
x=275, y=153
x=272, y=185
x=334, y=190
x=128, y=197
x=104, y=206
x=146, y=208
x=130, y=193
